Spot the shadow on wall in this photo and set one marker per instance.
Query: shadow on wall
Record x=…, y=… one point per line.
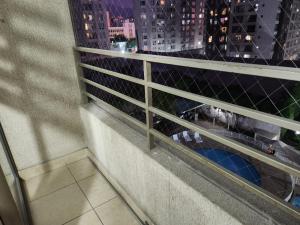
x=39, y=90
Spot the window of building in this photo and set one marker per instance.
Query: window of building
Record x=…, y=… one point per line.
x=251, y=29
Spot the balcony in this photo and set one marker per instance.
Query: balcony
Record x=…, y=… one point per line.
x=98, y=137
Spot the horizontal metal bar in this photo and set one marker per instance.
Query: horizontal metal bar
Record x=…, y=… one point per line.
x=113, y=92
x=258, y=115
x=290, y=169
x=279, y=72
x=119, y=112
x=226, y=173
x=113, y=74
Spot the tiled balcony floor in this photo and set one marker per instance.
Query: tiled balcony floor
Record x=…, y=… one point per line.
x=76, y=195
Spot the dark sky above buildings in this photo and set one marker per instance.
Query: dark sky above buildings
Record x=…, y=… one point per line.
x=122, y=3
x=120, y=7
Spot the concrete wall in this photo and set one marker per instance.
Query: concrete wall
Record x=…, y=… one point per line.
x=39, y=90
x=165, y=188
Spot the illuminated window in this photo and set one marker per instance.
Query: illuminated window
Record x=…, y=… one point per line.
x=86, y=26
x=210, y=39
x=248, y=37
x=238, y=37
x=224, y=12
x=90, y=17
x=224, y=29
x=162, y=2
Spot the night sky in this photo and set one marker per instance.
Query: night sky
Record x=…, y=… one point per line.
x=120, y=7
x=122, y=3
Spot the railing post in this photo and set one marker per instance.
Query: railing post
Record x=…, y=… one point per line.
x=148, y=99
x=82, y=85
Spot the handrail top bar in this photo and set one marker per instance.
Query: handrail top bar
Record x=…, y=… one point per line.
x=279, y=72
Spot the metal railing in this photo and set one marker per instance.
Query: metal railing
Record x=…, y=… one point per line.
x=255, y=70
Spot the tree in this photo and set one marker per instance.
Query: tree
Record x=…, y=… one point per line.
x=119, y=38
x=292, y=111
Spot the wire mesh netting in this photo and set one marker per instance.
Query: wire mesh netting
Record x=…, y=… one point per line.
x=275, y=96
x=130, y=89
x=254, y=133
x=128, y=67
x=263, y=32
x=122, y=105
x=246, y=31
x=256, y=172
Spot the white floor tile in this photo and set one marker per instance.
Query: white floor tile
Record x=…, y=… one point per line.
x=82, y=169
x=116, y=212
x=97, y=189
x=60, y=206
x=48, y=183
x=89, y=218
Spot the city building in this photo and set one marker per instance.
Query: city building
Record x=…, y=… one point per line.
x=90, y=22
x=122, y=35
x=253, y=28
x=217, y=27
x=288, y=38
x=169, y=25
x=127, y=30
x=115, y=31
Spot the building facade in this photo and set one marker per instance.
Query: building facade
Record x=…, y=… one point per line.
x=90, y=23
x=217, y=27
x=127, y=30
x=253, y=28
x=169, y=25
x=288, y=39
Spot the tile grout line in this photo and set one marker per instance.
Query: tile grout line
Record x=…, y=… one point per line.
x=77, y=217
x=52, y=192
x=118, y=195
x=85, y=196
x=98, y=216
x=44, y=173
x=73, y=182
x=65, y=164
x=103, y=203
x=82, y=179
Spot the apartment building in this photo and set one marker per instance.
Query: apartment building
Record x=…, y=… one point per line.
x=127, y=30
x=217, y=27
x=91, y=23
x=169, y=25
x=288, y=39
x=253, y=28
